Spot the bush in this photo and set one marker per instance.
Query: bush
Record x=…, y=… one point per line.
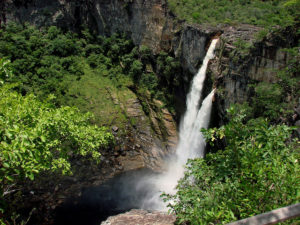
x=35, y=137
x=256, y=173
x=263, y=13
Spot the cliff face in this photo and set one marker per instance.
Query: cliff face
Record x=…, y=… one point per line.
x=233, y=70
x=150, y=23
x=146, y=22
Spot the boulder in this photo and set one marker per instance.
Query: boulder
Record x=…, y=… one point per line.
x=141, y=217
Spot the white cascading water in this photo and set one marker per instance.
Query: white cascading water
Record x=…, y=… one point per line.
x=192, y=118
x=191, y=141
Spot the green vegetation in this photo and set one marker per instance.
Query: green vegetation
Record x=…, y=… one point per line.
x=36, y=136
x=257, y=172
x=257, y=12
x=90, y=74
x=48, y=61
x=5, y=71
x=99, y=95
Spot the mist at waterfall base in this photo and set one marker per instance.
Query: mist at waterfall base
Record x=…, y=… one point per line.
x=118, y=195
x=141, y=189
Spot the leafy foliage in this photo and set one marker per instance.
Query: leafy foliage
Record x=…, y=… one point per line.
x=5, y=71
x=256, y=12
x=41, y=59
x=47, y=61
x=257, y=172
x=35, y=136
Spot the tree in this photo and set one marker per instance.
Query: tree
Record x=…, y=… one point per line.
x=36, y=136
x=257, y=172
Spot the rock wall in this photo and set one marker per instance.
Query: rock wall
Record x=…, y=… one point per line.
x=234, y=69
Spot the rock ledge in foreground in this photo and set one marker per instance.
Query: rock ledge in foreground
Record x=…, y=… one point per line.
x=141, y=217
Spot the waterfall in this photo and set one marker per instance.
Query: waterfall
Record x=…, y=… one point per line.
x=192, y=117
x=191, y=141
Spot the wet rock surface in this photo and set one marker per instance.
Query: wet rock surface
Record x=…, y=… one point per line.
x=141, y=217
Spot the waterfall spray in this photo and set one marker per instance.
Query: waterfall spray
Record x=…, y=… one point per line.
x=191, y=141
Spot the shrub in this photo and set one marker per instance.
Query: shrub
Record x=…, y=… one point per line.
x=257, y=172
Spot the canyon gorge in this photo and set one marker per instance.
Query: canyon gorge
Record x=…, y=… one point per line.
x=150, y=137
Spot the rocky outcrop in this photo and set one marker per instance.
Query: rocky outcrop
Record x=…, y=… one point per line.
x=141, y=217
x=148, y=144
x=190, y=45
x=147, y=22
x=242, y=60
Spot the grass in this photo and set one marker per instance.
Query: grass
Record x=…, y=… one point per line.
x=95, y=92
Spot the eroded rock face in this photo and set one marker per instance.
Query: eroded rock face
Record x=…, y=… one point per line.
x=141, y=217
x=233, y=70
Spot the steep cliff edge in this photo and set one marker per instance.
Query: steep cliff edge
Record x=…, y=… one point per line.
x=151, y=23
x=237, y=67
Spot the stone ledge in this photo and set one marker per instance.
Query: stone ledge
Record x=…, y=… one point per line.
x=141, y=217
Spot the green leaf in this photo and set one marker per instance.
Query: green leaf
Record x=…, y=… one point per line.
x=43, y=138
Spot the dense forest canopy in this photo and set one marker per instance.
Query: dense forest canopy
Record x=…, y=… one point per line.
x=267, y=14
x=48, y=60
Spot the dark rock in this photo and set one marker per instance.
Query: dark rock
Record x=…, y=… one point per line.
x=234, y=70
x=297, y=110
